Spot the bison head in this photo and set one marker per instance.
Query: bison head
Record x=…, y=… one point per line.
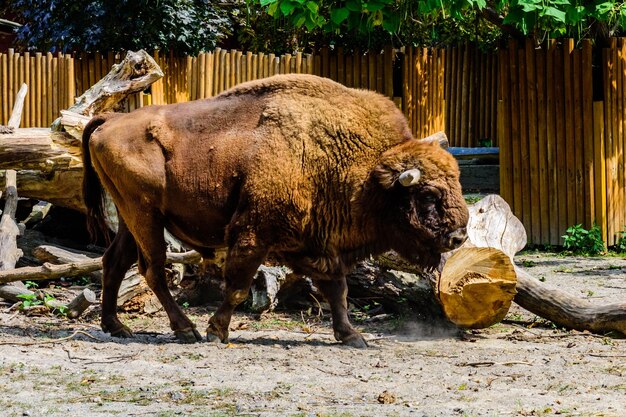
x=425, y=212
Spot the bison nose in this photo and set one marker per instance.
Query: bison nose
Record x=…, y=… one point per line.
x=457, y=238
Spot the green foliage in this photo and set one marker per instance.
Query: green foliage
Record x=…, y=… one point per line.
x=581, y=241
x=31, y=284
x=37, y=299
x=184, y=26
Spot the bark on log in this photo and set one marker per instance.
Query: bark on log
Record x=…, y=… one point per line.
x=9, y=230
x=566, y=310
x=12, y=292
x=9, y=252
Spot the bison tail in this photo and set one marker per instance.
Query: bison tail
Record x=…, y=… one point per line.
x=93, y=192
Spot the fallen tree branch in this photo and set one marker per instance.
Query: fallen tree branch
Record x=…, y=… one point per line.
x=50, y=271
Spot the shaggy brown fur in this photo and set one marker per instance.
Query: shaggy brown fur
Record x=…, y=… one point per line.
x=295, y=166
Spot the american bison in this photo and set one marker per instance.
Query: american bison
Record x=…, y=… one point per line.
x=297, y=167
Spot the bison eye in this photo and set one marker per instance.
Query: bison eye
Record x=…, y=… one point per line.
x=430, y=195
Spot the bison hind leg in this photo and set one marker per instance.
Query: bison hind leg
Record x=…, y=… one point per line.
x=117, y=259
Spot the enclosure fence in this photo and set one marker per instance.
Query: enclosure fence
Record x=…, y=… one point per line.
x=562, y=143
x=55, y=80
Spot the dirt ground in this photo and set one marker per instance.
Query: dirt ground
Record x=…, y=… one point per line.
x=290, y=365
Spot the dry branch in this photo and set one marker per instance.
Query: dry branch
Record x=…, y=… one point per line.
x=50, y=271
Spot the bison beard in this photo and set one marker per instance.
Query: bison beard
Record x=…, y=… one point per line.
x=295, y=167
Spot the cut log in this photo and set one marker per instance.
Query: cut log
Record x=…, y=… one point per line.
x=12, y=292
x=476, y=287
x=80, y=303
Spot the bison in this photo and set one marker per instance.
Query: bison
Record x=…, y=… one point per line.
x=297, y=167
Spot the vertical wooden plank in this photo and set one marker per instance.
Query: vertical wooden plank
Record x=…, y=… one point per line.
x=406, y=86
x=448, y=82
x=371, y=71
x=389, y=55
x=542, y=144
x=348, y=77
x=341, y=66
x=11, y=86
x=555, y=236
x=38, y=89
x=560, y=134
x=325, y=63
x=611, y=152
x=465, y=80
x=518, y=207
x=533, y=148
x=26, y=79
x=287, y=63
x=458, y=100
x=272, y=68
x=599, y=169
x=193, y=78
x=380, y=86
x=364, y=73
x=32, y=91
x=299, y=62
x=524, y=167
x=620, y=221
x=333, y=66
x=255, y=66
x=441, y=72
x=582, y=200
x=4, y=88
x=202, y=57
x=71, y=83
x=356, y=69
x=54, y=91
x=239, y=75
x=588, y=121
x=50, y=86
x=504, y=128
x=568, y=140
x=416, y=92
x=472, y=140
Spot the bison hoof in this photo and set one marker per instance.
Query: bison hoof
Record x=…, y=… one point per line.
x=122, y=332
x=355, y=340
x=213, y=335
x=189, y=335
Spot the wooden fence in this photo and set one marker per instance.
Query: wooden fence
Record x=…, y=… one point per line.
x=54, y=81
x=471, y=80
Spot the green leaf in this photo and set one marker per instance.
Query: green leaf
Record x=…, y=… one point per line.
x=313, y=7
x=266, y=2
x=557, y=14
x=339, y=15
x=354, y=5
x=287, y=7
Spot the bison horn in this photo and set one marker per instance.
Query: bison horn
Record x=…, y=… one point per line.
x=410, y=177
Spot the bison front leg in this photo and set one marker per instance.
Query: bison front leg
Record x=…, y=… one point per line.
x=335, y=290
x=244, y=257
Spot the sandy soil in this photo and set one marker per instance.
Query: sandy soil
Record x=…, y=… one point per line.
x=290, y=365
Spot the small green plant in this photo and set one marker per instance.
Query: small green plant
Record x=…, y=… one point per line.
x=581, y=241
x=29, y=300
x=31, y=284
